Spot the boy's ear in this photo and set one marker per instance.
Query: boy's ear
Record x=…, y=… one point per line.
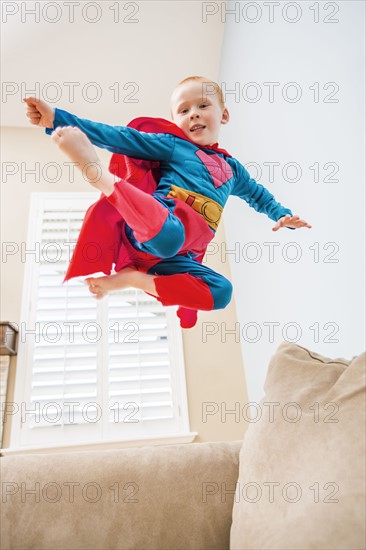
x=225, y=116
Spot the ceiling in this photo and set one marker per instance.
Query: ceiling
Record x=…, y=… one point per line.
x=107, y=61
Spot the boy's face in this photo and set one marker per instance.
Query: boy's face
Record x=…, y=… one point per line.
x=197, y=113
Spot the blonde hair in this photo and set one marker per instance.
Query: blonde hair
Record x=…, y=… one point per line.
x=209, y=83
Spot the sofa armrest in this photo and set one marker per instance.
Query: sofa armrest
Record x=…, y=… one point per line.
x=164, y=497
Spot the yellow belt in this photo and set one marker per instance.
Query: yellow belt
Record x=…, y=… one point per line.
x=209, y=209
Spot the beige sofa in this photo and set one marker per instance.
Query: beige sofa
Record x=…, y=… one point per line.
x=299, y=478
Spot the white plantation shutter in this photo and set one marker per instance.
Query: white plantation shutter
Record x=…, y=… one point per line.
x=91, y=370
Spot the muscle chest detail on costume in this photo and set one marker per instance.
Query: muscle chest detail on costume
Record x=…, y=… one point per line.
x=219, y=170
x=192, y=169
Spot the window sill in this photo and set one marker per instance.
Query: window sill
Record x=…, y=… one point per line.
x=171, y=439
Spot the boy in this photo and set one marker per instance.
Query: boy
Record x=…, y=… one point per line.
x=167, y=229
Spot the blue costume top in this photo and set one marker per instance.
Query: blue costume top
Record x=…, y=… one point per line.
x=199, y=176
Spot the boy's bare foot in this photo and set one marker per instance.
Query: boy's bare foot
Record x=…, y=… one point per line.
x=100, y=286
x=76, y=145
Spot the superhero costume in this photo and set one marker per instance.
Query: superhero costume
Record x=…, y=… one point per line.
x=164, y=210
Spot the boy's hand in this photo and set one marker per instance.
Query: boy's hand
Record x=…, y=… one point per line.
x=290, y=221
x=39, y=113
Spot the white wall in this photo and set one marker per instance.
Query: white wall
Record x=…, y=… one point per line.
x=305, y=293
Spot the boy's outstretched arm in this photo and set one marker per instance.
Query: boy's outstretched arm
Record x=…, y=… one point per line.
x=259, y=198
x=116, y=139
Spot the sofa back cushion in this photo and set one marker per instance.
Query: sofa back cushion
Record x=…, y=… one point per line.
x=145, y=498
x=302, y=464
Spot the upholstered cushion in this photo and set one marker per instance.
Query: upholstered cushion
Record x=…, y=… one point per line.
x=165, y=497
x=302, y=464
